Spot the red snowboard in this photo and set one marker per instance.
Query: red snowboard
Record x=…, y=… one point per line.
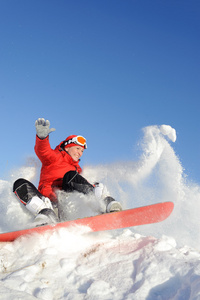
x=126, y=218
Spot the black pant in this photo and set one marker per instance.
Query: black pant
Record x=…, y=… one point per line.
x=73, y=181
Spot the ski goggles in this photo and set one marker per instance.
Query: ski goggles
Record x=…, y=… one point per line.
x=78, y=140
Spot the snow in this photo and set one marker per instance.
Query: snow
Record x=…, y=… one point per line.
x=159, y=261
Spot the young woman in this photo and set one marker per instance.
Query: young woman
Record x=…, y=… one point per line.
x=60, y=171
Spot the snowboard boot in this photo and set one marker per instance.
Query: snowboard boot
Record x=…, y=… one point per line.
x=112, y=205
x=34, y=201
x=45, y=216
x=43, y=210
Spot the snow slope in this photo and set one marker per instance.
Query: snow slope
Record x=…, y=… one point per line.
x=158, y=261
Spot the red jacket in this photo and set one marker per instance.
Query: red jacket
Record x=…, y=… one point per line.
x=55, y=163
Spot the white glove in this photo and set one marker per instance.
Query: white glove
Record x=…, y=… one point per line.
x=42, y=128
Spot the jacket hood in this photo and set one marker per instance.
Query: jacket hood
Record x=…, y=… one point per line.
x=60, y=147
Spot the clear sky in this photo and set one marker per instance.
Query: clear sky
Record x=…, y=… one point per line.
x=102, y=69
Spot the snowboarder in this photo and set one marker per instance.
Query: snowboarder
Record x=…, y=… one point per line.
x=60, y=171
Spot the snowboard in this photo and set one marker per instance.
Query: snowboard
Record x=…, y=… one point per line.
x=126, y=218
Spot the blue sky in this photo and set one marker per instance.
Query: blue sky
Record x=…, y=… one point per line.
x=102, y=69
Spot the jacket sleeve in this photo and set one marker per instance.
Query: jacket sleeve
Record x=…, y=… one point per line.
x=43, y=151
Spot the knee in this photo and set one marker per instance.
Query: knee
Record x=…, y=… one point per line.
x=25, y=190
x=19, y=182
x=69, y=176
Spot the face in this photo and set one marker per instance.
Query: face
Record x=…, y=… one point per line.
x=75, y=152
